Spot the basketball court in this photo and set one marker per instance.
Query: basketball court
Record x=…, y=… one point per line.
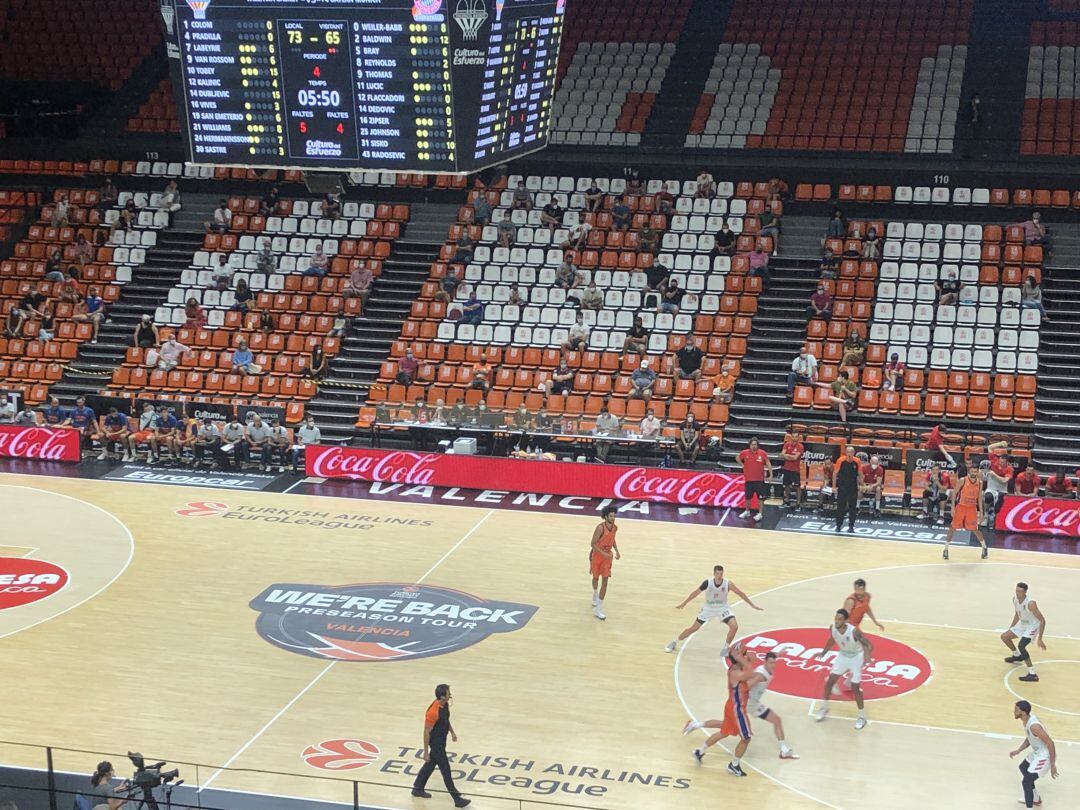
x=287, y=642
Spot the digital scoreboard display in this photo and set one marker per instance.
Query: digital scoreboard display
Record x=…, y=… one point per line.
x=405, y=85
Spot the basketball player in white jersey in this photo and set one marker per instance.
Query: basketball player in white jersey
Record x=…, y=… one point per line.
x=853, y=651
x=758, y=685
x=716, y=607
x=1028, y=623
x=1043, y=756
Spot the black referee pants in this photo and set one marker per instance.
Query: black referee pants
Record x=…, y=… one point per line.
x=847, y=501
x=437, y=759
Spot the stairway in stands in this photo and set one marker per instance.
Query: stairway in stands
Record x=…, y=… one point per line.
x=368, y=341
x=681, y=90
x=761, y=407
x=1058, y=400
x=148, y=288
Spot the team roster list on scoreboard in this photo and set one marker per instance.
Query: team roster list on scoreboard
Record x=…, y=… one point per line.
x=435, y=85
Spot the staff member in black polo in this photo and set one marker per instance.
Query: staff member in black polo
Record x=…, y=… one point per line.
x=847, y=477
x=436, y=727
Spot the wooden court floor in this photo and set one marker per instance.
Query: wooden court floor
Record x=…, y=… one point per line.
x=153, y=645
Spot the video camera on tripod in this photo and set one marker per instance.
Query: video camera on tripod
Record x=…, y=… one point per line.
x=148, y=777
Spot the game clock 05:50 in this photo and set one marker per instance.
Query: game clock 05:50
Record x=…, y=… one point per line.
x=319, y=98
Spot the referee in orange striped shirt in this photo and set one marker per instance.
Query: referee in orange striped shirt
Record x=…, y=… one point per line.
x=436, y=727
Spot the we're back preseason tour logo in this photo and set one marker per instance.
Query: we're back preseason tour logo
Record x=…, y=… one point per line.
x=380, y=621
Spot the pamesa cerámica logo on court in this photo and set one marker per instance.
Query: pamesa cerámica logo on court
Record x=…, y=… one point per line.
x=380, y=621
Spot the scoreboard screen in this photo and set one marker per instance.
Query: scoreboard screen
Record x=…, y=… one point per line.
x=406, y=85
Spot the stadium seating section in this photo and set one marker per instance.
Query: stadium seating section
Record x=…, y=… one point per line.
x=157, y=113
x=15, y=209
x=1051, y=121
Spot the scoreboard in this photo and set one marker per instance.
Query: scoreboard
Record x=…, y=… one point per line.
x=405, y=85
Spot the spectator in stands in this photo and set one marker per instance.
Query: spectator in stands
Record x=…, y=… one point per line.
x=893, y=374
x=13, y=324
x=592, y=297
x=407, y=368
x=61, y=212
x=872, y=484
x=82, y=251
x=820, y=304
x=47, y=327
x=723, y=387
x=232, y=437
x=481, y=375
x=1035, y=233
x=69, y=290
x=637, y=338
x=308, y=434
x=33, y=303
x=522, y=199
x=656, y=278
x=337, y=328
x=854, y=349
x=279, y=446
x=769, y=225
x=1059, y=486
x=578, y=238
x=222, y=274
x=837, y=228
x=265, y=260
x=124, y=222
x=318, y=263
x=948, y=288
x=507, y=231
x=448, y=285
x=871, y=248
x=577, y=339
x=243, y=361
x=108, y=195
x=146, y=333
x=170, y=197
x=269, y=203
x=936, y=492
x=112, y=435
x=317, y=364
x=331, y=206
x=607, y=424
x=169, y=356
x=194, y=316
x=243, y=298
x=830, y=265
x=551, y=215
x=562, y=379
x=1027, y=482
x=642, y=382
x=650, y=426
x=1031, y=296
x=706, y=185
x=481, y=209
x=221, y=220
x=634, y=183
x=688, y=359
x=688, y=442
x=207, y=440
x=518, y=297
x=266, y=322
x=7, y=410
x=759, y=262
x=359, y=283
x=620, y=214
x=568, y=276
x=463, y=249
x=54, y=266
x=671, y=297
x=724, y=242
x=472, y=311
x=842, y=393
x=594, y=198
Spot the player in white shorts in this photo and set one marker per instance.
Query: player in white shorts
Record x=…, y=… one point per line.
x=1043, y=757
x=1028, y=623
x=758, y=686
x=716, y=607
x=853, y=652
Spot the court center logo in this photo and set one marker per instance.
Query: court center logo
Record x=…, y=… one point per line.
x=341, y=755
x=380, y=621
x=24, y=580
x=895, y=669
x=202, y=509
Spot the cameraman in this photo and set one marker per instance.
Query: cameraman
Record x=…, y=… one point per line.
x=102, y=794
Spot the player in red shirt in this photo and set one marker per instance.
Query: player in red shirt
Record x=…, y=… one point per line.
x=792, y=454
x=933, y=441
x=873, y=481
x=1059, y=485
x=1026, y=482
x=755, y=463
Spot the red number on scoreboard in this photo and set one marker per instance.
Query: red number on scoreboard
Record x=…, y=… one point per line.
x=317, y=72
x=341, y=128
x=303, y=126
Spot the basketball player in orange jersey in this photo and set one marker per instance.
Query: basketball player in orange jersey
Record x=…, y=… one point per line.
x=969, y=509
x=601, y=552
x=858, y=605
x=736, y=722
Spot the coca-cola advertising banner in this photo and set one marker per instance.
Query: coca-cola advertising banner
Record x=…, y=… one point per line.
x=41, y=443
x=1039, y=516
x=686, y=487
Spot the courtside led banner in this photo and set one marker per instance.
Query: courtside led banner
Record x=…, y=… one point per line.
x=1019, y=513
x=688, y=487
x=39, y=443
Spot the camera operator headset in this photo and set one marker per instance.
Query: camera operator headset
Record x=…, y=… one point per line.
x=101, y=793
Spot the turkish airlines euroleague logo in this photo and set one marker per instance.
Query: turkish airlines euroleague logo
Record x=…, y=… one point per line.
x=895, y=667
x=202, y=509
x=341, y=755
x=380, y=621
x=24, y=580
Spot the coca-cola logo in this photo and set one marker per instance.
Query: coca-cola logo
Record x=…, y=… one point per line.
x=394, y=468
x=1041, y=516
x=704, y=489
x=24, y=580
x=39, y=443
